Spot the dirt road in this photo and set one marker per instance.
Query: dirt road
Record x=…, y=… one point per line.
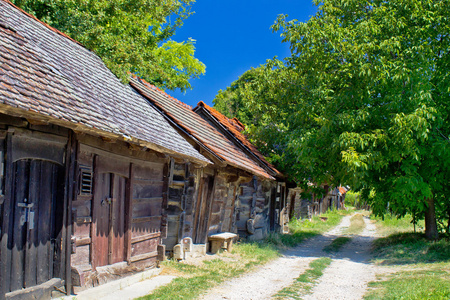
x=345, y=278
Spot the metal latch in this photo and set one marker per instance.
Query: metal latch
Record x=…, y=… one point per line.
x=29, y=215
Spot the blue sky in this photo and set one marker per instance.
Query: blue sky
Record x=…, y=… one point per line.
x=231, y=37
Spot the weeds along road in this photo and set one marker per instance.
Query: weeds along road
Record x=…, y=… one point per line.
x=345, y=278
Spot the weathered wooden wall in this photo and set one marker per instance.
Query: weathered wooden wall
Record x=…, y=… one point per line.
x=319, y=203
x=182, y=193
x=33, y=168
x=119, y=210
x=301, y=208
x=258, y=209
x=226, y=190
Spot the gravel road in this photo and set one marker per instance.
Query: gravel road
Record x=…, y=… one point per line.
x=345, y=278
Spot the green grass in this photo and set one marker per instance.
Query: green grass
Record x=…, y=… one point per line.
x=305, y=282
x=357, y=224
x=195, y=280
x=392, y=225
x=422, y=266
x=303, y=229
x=317, y=225
x=416, y=284
x=410, y=248
x=337, y=244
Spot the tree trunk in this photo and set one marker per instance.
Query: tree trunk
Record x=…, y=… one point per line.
x=431, y=232
x=448, y=223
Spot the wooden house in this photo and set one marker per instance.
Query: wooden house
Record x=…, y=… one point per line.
x=235, y=194
x=303, y=207
x=85, y=165
x=250, y=211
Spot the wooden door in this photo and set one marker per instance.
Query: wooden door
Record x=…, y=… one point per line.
x=109, y=219
x=36, y=204
x=203, y=209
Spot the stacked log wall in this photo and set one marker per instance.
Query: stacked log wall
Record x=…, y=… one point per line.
x=182, y=195
x=253, y=209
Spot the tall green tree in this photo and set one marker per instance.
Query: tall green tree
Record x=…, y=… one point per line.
x=367, y=101
x=129, y=35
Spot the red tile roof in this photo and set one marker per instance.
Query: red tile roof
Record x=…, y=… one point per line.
x=233, y=126
x=342, y=190
x=200, y=129
x=43, y=72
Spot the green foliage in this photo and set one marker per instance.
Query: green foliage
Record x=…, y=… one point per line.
x=363, y=100
x=230, y=101
x=353, y=199
x=129, y=35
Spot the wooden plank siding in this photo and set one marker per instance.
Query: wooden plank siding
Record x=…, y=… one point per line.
x=183, y=185
x=119, y=224
x=32, y=204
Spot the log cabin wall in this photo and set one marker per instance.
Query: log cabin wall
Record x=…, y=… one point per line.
x=201, y=202
x=118, y=213
x=228, y=216
x=300, y=207
x=33, y=202
x=182, y=194
x=226, y=190
x=254, y=209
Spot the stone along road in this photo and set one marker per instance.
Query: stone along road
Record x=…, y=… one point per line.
x=345, y=278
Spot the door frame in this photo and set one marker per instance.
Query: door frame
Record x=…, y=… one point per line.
x=13, y=136
x=121, y=171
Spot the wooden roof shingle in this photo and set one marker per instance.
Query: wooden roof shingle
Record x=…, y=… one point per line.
x=44, y=73
x=204, y=133
x=234, y=127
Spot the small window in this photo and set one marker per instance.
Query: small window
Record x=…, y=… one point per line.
x=85, y=181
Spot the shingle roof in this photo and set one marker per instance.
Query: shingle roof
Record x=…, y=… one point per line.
x=234, y=127
x=45, y=73
x=192, y=123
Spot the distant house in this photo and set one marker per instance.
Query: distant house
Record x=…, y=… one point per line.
x=235, y=194
x=303, y=207
x=85, y=165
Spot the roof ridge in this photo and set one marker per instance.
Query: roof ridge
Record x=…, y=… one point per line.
x=238, y=135
x=154, y=87
x=234, y=121
x=45, y=24
x=238, y=122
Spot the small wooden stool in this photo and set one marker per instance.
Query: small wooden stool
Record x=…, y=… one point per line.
x=218, y=241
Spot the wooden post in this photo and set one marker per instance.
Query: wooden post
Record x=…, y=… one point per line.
x=111, y=218
x=165, y=202
x=198, y=206
x=128, y=214
x=93, y=212
x=210, y=200
x=70, y=190
x=6, y=230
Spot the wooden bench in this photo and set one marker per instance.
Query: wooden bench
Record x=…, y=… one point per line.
x=218, y=241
